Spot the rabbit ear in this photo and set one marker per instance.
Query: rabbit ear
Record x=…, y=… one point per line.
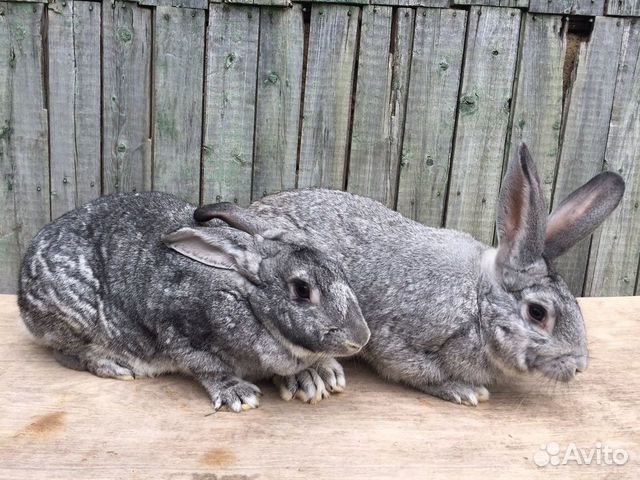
x=232, y=214
x=521, y=213
x=217, y=247
x=582, y=212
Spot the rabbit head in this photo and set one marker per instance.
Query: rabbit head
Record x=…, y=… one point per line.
x=300, y=294
x=530, y=319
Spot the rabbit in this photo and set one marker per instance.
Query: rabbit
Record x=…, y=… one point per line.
x=130, y=286
x=449, y=315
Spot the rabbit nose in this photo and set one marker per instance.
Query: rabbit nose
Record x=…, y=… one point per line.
x=581, y=365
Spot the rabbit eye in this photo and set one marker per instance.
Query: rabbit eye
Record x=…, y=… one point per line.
x=301, y=289
x=537, y=313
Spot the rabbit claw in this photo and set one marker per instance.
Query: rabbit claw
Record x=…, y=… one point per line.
x=314, y=383
x=458, y=392
x=235, y=395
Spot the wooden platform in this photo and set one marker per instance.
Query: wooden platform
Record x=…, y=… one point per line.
x=61, y=424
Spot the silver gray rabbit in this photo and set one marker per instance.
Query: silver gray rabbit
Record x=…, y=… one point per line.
x=130, y=285
x=448, y=314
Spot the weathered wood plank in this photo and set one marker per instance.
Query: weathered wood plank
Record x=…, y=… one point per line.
x=230, y=88
x=615, y=249
x=198, y=4
x=126, y=100
x=483, y=118
x=431, y=113
x=412, y=3
x=494, y=3
x=537, y=118
x=573, y=7
x=362, y=2
x=588, y=110
x=623, y=7
x=273, y=3
x=24, y=152
x=278, y=100
x=178, y=60
x=73, y=38
x=327, y=97
x=372, y=167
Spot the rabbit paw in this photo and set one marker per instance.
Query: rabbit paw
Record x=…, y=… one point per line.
x=314, y=383
x=232, y=393
x=457, y=392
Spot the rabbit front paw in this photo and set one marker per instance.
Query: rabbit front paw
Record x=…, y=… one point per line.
x=458, y=392
x=314, y=383
x=232, y=392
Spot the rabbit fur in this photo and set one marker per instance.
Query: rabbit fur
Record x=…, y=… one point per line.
x=449, y=315
x=130, y=285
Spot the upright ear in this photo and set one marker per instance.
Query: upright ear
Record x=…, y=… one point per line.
x=522, y=214
x=218, y=247
x=582, y=212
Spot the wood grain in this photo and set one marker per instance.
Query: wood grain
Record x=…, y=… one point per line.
x=436, y=63
x=588, y=111
x=373, y=165
x=494, y=3
x=327, y=96
x=623, y=7
x=573, y=7
x=24, y=152
x=278, y=100
x=178, y=60
x=126, y=97
x=615, y=249
x=483, y=120
x=537, y=117
x=74, y=104
x=230, y=92
x=60, y=424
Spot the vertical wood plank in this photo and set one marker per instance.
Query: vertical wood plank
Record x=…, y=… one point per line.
x=327, y=97
x=588, y=110
x=573, y=7
x=230, y=86
x=126, y=101
x=73, y=38
x=623, y=7
x=494, y=3
x=615, y=249
x=372, y=169
x=483, y=117
x=178, y=62
x=24, y=153
x=278, y=100
x=537, y=118
x=431, y=112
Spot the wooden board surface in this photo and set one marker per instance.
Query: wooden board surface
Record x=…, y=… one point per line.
x=483, y=118
x=537, y=117
x=24, y=152
x=373, y=164
x=615, y=250
x=62, y=424
x=436, y=63
x=278, y=99
x=74, y=104
x=126, y=97
x=178, y=62
x=230, y=92
x=623, y=7
x=327, y=96
x=573, y=7
x=587, y=113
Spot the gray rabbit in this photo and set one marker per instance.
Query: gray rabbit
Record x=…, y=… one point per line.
x=130, y=285
x=448, y=314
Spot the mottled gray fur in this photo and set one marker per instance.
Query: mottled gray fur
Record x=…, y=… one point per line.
x=448, y=314
x=131, y=286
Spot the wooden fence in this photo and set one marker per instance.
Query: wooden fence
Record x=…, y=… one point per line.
x=416, y=103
